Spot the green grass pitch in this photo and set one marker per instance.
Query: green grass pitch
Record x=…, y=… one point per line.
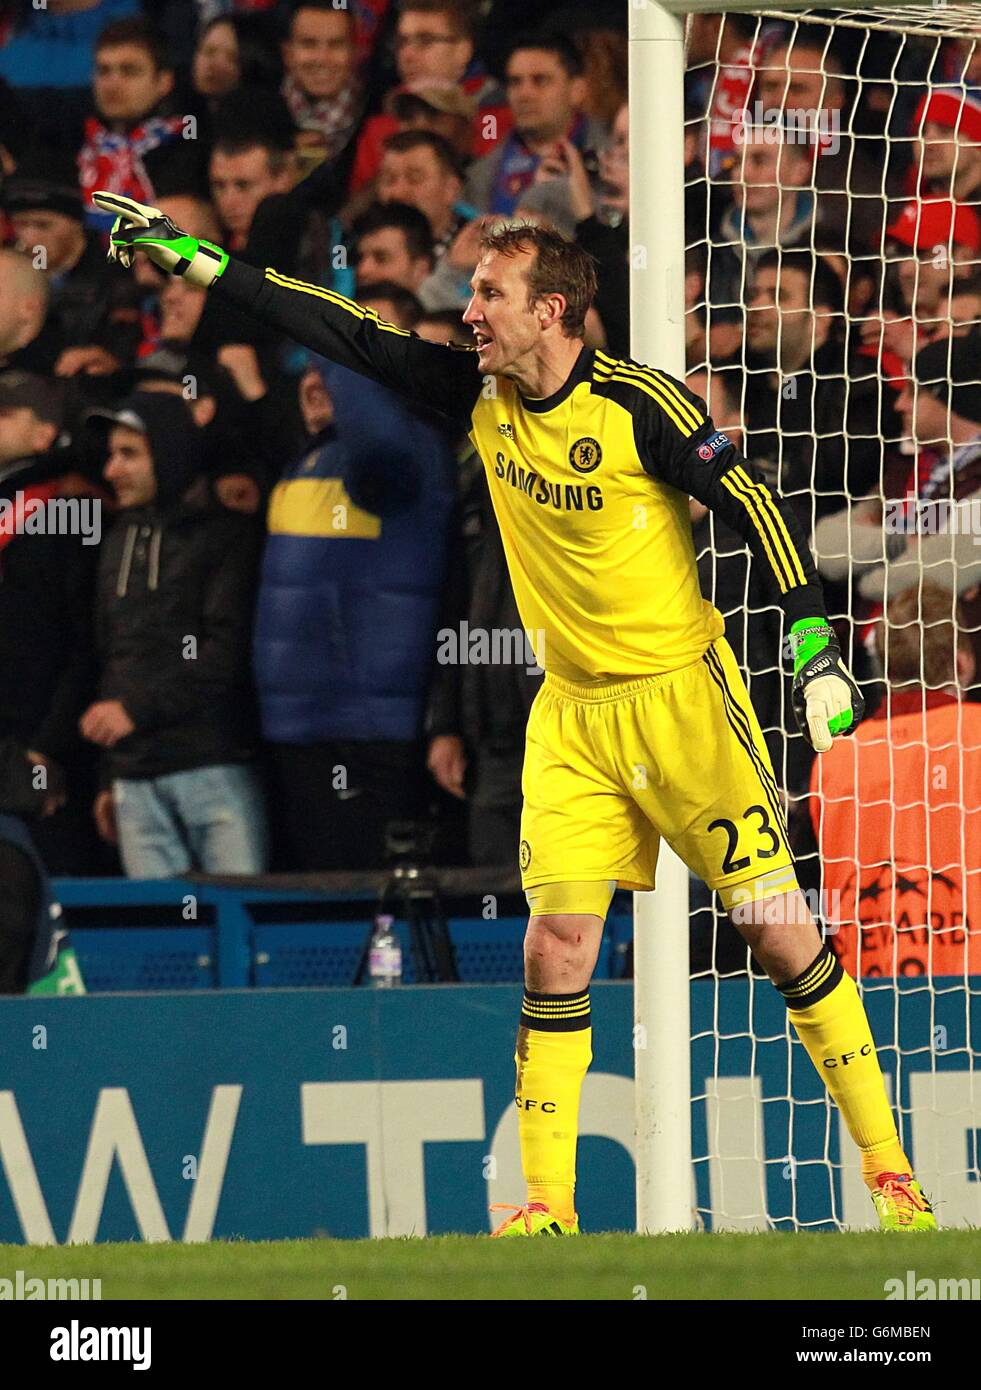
x=753, y=1266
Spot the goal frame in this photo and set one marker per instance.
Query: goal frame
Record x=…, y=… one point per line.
x=662, y=1013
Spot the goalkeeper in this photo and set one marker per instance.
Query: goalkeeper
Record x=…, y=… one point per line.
x=643, y=728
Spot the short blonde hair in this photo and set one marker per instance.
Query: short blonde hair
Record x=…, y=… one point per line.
x=919, y=637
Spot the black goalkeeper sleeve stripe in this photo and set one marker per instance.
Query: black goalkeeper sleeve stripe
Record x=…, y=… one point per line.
x=444, y=378
x=769, y=525
x=679, y=443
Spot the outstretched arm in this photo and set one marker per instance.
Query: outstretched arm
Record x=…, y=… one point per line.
x=445, y=378
x=681, y=445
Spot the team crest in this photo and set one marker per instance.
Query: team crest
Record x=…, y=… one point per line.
x=585, y=455
x=524, y=854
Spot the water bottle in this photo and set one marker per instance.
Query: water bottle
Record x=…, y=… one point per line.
x=385, y=953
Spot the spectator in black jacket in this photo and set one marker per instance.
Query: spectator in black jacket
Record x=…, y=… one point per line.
x=813, y=410
x=45, y=645
x=479, y=709
x=173, y=623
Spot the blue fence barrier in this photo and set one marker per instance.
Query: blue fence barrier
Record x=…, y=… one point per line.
x=280, y=1113
x=218, y=937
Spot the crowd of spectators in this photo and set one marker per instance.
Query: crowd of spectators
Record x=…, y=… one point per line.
x=242, y=674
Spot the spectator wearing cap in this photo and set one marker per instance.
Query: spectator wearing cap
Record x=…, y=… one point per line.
x=434, y=55
x=883, y=547
x=546, y=91
x=441, y=106
x=897, y=808
x=134, y=143
x=91, y=306
x=46, y=576
x=947, y=126
x=927, y=244
x=173, y=628
x=321, y=85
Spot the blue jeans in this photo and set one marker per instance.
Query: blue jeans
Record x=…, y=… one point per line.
x=208, y=818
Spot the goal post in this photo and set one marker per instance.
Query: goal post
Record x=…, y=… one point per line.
x=754, y=1143
x=662, y=1095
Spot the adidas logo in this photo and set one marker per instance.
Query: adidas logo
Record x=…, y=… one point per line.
x=507, y=429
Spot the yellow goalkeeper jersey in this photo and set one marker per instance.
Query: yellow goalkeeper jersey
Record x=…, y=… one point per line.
x=590, y=486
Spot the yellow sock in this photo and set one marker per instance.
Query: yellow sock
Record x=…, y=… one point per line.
x=552, y=1057
x=831, y=1022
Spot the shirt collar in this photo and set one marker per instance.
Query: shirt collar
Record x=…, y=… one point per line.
x=900, y=702
x=581, y=371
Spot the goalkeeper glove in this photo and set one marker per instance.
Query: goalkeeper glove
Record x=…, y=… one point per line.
x=826, y=699
x=137, y=225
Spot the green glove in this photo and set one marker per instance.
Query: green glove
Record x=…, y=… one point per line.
x=825, y=698
x=138, y=225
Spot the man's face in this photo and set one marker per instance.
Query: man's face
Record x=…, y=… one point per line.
x=129, y=467
x=614, y=159
x=938, y=152
x=22, y=433
x=216, y=70
x=181, y=307
x=793, y=79
x=418, y=178
x=765, y=169
x=779, y=317
x=62, y=237
x=319, y=53
x=505, y=327
x=127, y=86
x=925, y=420
x=384, y=255
x=20, y=311
x=239, y=182
x=924, y=278
x=541, y=94
x=427, y=45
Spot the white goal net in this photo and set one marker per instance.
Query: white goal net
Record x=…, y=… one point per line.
x=833, y=322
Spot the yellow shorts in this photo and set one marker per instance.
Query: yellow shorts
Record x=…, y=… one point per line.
x=611, y=769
